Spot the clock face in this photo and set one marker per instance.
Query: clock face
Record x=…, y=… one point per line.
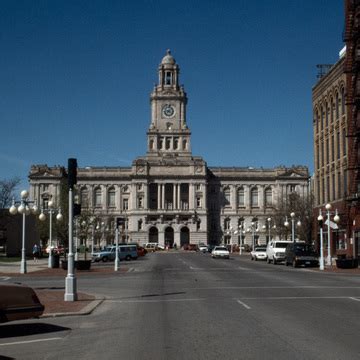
x=168, y=111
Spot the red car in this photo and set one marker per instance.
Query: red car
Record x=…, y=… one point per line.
x=141, y=251
x=18, y=302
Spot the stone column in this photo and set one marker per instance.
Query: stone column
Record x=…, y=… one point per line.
x=159, y=196
x=163, y=196
x=174, y=196
x=191, y=199
x=179, y=197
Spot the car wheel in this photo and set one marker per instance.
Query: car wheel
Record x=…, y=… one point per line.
x=105, y=259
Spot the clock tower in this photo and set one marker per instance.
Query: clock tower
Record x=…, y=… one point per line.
x=168, y=133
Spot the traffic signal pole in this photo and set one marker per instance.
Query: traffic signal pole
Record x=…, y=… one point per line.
x=70, y=280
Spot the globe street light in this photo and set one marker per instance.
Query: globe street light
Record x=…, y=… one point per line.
x=42, y=217
x=336, y=219
x=24, y=208
x=320, y=220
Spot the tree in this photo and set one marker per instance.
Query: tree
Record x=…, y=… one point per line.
x=7, y=188
x=302, y=207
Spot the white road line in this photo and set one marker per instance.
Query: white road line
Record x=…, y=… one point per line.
x=5, y=278
x=195, y=268
x=243, y=268
x=354, y=298
x=153, y=300
x=243, y=304
x=296, y=297
x=30, y=341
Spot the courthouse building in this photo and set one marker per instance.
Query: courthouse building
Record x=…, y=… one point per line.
x=170, y=195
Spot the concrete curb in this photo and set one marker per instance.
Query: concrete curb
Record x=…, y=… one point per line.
x=88, y=309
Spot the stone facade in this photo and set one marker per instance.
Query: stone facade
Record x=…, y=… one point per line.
x=169, y=195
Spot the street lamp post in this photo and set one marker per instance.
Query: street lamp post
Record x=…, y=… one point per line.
x=336, y=219
x=116, y=268
x=292, y=215
x=24, y=209
x=320, y=220
x=253, y=229
x=42, y=217
x=269, y=227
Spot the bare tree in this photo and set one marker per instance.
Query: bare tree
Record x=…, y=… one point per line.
x=302, y=207
x=7, y=188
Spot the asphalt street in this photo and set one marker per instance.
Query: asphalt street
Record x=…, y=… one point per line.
x=189, y=306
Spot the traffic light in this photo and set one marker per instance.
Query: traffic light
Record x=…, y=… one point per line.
x=72, y=173
x=76, y=209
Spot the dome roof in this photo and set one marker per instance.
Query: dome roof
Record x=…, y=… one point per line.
x=168, y=58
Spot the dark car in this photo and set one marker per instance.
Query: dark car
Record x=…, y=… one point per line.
x=18, y=302
x=301, y=254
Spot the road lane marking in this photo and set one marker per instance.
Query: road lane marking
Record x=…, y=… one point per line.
x=5, y=278
x=243, y=304
x=153, y=300
x=30, y=341
x=354, y=298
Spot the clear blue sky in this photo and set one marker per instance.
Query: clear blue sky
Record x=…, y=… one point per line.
x=76, y=78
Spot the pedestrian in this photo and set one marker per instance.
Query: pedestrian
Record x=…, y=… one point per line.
x=36, y=252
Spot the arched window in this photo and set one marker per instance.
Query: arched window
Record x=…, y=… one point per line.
x=151, y=144
x=241, y=197
x=227, y=224
x=326, y=114
x=268, y=197
x=227, y=196
x=254, y=197
x=84, y=197
x=332, y=108
x=342, y=101
x=111, y=197
x=184, y=144
x=97, y=197
x=337, y=101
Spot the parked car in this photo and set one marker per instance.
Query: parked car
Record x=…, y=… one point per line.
x=152, y=247
x=203, y=248
x=259, y=253
x=220, y=252
x=301, y=254
x=18, y=302
x=126, y=252
x=141, y=251
x=275, y=251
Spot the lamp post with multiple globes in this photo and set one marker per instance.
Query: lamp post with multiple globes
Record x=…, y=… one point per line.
x=42, y=217
x=25, y=207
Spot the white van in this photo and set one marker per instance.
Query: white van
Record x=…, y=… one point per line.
x=275, y=250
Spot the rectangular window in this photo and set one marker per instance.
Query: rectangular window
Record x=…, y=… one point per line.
x=198, y=202
x=140, y=203
x=339, y=186
x=344, y=142
x=332, y=148
x=125, y=204
x=322, y=153
x=318, y=156
x=241, y=197
x=338, y=144
x=112, y=199
x=333, y=187
x=98, y=198
x=318, y=192
x=323, y=190
x=345, y=183
x=328, y=188
x=327, y=151
x=254, y=198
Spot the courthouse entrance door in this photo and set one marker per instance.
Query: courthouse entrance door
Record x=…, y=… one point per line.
x=184, y=236
x=169, y=237
x=153, y=235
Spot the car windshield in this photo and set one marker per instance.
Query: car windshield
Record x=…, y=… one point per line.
x=282, y=245
x=260, y=249
x=222, y=248
x=304, y=250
